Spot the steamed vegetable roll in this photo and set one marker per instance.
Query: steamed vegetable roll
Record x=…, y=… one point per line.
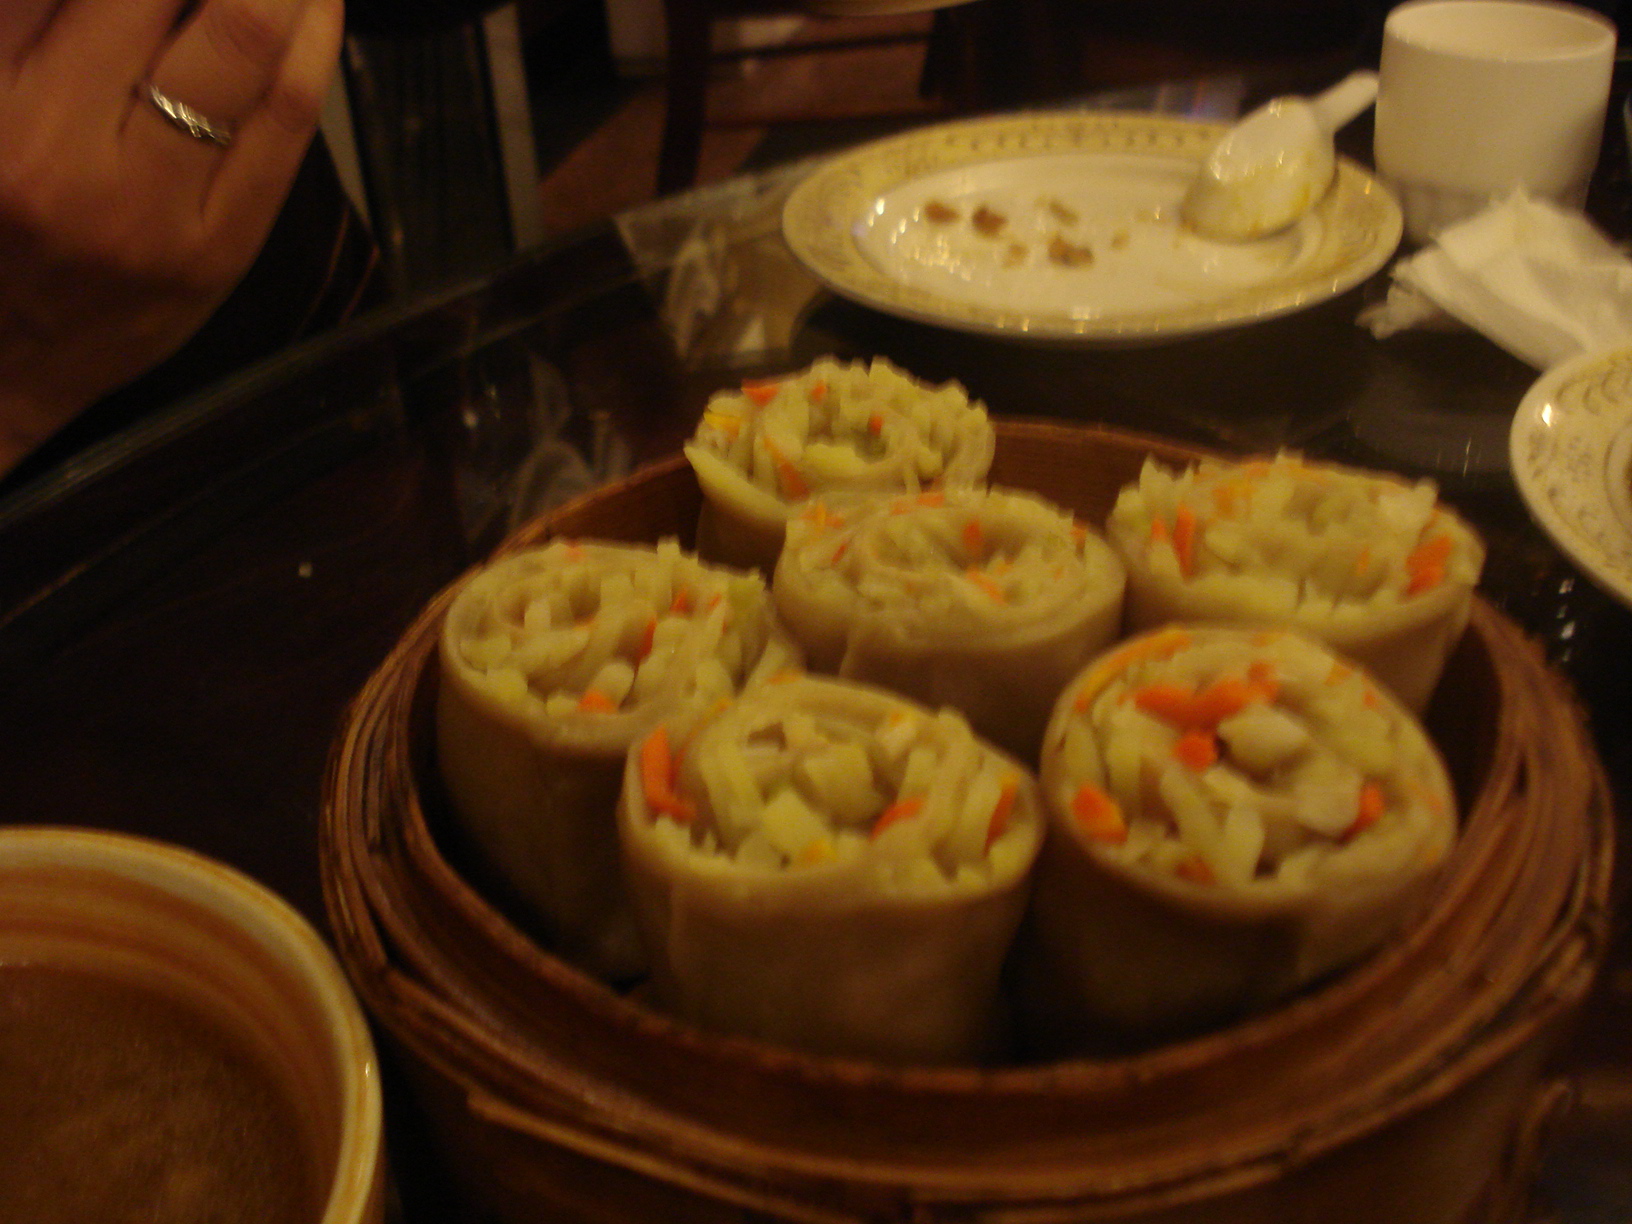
x=554, y=662
x=836, y=427
x=1233, y=813
x=1368, y=563
x=832, y=868
x=986, y=601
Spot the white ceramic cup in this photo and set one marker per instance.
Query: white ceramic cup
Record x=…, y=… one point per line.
x=202, y=932
x=1477, y=97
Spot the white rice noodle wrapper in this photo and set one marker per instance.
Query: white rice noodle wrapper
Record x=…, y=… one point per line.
x=1371, y=564
x=987, y=601
x=835, y=427
x=845, y=877
x=1173, y=893
x=555, y=661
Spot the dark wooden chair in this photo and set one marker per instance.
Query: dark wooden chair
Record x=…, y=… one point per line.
x=947, y=80
x=989, y=54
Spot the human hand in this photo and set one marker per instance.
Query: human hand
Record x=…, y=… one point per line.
x=120, y=233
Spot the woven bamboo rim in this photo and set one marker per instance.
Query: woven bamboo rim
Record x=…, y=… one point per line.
x=1502, y=952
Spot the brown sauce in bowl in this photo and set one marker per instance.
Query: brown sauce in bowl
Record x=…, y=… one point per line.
x=119, y=1102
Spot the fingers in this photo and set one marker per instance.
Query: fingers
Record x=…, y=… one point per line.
x=93, y=52
x=228, y=54
x=221, y=63
x=22, y=22
x=254, y=176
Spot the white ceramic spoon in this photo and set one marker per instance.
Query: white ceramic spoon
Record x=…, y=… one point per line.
x=1275, y=164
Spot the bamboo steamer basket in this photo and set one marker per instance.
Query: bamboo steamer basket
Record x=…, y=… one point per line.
x=1413, y=1087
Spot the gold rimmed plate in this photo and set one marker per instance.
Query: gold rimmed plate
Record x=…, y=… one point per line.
x=1571, y=450
x=1063, y=227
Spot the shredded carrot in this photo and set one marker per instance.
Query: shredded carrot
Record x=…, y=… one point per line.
x=785, y=676
x=1370, y=809
x=1191, y=710
x=1425, y=578
x=844, y=547
x=575, y=550
x=1362, y=561
x=901, y=809
x=987, y=583
x=818, y=391
x=658, y=770
x=1158, y=531
x=933, y=498
x=788, y=474
x=1261, y=684
x=1196, y=750
x=1162, y=644
x=761, y=393
x=1003, y=810
x=596, y=702
x=1425, y=567
x=974, y=538
x=648, y=637
x=1079, y=533
x=1339, y=673
x=1222, y=698
x=1098, y=815
x=1169, y=702
x=1184, y=539
x=1369, y=698
x=1434, y=548
x=875, y=424
x=818, y=515
x=682, y=602
x=1196, y=870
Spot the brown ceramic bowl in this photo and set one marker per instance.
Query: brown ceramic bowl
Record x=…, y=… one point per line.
x=151, y=930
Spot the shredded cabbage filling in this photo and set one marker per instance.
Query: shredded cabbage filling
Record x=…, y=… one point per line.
x=1284, y=535
x=968, y=554
x=781, y=784
x=598, y=629
x=1230, y=756
x=845, y=426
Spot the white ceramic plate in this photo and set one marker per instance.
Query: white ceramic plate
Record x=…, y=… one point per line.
x=1062, y=227
x=1571, y=448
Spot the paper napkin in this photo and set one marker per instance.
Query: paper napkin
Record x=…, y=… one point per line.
x=1535, y=278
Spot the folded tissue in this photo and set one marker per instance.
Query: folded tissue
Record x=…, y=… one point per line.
x=1537, y=279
